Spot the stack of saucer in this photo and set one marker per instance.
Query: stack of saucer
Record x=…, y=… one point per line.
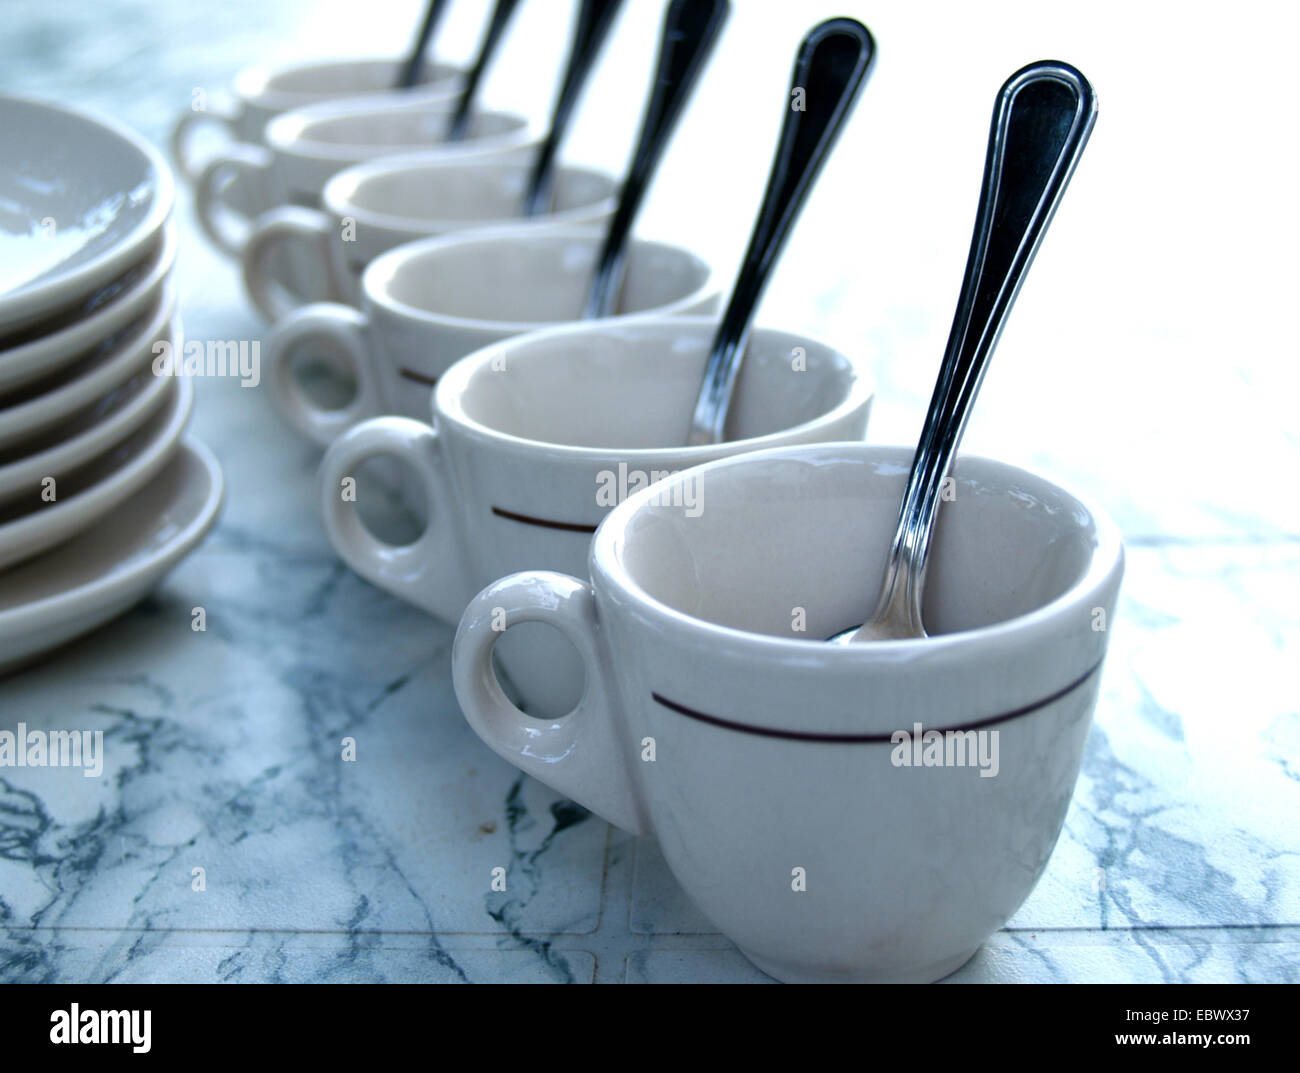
x=100, y=494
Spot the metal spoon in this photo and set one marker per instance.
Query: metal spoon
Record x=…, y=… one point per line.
x=590, y=28
x=829, y=71
x=496, y=30
x=1041, y=122
x=409, y=75
x=691, y=31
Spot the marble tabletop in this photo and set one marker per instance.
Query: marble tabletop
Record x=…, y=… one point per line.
x=1150, y=364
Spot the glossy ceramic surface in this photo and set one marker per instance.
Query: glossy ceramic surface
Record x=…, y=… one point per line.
x=430, y=303
x=76, y=440
x=305, y=148
x=44, y=350
x=375, y=207
x=96, y=576
x=776, y=781
x=81, y=199
x=538, y=438
x=260, y=95
x=1172, y=866
x=30, y=526
x=39, y=407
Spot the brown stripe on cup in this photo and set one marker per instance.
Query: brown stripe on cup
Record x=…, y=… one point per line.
x=869, y=739
x=543, y=523
x=419, y=378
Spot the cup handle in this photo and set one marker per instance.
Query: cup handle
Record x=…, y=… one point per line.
x=227, y=229
x=286, y=224
x=218, y=115
x=339, y=330
x=583, y=755
x=429, y=573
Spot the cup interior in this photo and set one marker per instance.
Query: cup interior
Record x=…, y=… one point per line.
x=468, y=193
x=811, y=528
x=534, y=282
x=633, y=387
x=347, y=78
x=403, y=129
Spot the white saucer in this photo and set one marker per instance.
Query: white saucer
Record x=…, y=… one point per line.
x=97, y=576
x=83, y=436
x=33, y=355
x=41, y=406
x=97, y=489
x=81, y=199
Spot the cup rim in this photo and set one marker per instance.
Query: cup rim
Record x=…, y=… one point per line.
x=337, y=194
x=250, y=85
x=607, y=567
x=449, y=390
x=386, y=265
x=285, y=133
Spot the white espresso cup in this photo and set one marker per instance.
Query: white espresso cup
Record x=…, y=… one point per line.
x=259, y=95
x=870, y=812
x=535, y=439
x=305, y=148
x=428, y=304
x=372, y=208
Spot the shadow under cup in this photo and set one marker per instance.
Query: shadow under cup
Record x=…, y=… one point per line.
x=787, y=806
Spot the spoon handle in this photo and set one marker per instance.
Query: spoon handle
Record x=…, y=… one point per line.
x=829, y=71
x=414, y=65
x=496, y=30
x=691, y=31
x=1041, y=122
x=591, y=27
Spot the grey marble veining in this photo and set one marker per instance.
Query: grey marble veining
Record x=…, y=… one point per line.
x=1180, y=858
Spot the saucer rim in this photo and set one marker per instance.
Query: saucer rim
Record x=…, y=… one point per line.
x=113, y=584
x=164, y=323
x=127, y=418
x=109, y=492
x=48, y=293
x=57, y=349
